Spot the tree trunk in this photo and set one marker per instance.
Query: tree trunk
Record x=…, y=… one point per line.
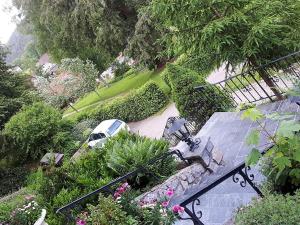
x=266, y=77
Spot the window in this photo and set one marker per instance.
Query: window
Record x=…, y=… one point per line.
x=96, y=136
x=112, y=129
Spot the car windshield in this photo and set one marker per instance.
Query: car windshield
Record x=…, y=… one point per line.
x=96, y=136
x=112, y=129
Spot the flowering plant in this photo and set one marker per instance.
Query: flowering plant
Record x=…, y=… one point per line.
x=26, y=215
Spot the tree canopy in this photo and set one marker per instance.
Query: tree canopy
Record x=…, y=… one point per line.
x=96, y=30
x=236, y=31
x=12, y=90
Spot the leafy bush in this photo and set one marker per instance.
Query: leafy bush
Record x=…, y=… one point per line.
x=136, y=106
x=194, y=105
x=125, y=154
x=12, y=179
x=34, y=131
x=282, y=166
x=108, y=211
x=271, y=210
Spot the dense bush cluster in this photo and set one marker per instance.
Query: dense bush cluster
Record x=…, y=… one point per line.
x=135, y=106
x=194, y=105
x=59, y=186
x=35, y=130
x=271, y=210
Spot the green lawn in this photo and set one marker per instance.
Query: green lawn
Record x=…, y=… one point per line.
x=121, y=87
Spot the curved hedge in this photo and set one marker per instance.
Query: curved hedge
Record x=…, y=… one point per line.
x=194, y=105
x=137, y=105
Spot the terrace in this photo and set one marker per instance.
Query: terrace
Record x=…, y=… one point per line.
x=211, y=194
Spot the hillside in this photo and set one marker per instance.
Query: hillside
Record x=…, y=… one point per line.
x=17, y=44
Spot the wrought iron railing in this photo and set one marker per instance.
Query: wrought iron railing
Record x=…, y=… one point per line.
x=71, y=210
x=249, y=87
x=240, y=174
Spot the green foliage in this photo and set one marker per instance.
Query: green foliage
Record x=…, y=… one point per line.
x=12, y=90
x=253, y=157
x=253, y=114
x=131, y=81
x=137, y=105
x=12, y=179
x=34, y=131
x=144, y=45
x=128, y=152
x=108, y=211
x=194, y=105
x=94, y=30
x=283, y=168
x=271, y=210
x=215, y=32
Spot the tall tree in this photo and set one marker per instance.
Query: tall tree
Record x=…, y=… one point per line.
x=235, y=31
x=144, y=45
x=95, y=30
x=12, y=89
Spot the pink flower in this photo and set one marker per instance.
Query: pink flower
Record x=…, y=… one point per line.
x=121, y=190
x=178, y=209
x=125, y=185
x=165, y=204
x=170, y=192
x=80, y=222
x=117, y=195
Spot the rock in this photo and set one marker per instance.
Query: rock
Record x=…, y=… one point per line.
x=217, y=156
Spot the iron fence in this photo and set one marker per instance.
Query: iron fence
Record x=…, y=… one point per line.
x=240, y=174
x=70, y=211
x=249, y=87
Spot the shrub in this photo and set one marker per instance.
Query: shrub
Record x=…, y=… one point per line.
x=271, y=210
x=136, y=106
x=12, y=179
x=108, y=211
x=194, y=105
x=126, y=155
x=34, y=131
x=30, y=131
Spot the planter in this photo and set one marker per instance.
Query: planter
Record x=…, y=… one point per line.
x=41, y=220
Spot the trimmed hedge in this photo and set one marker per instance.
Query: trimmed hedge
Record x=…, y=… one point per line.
x=194, y=105
x=137, y=105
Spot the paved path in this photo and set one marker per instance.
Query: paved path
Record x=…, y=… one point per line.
x=154, y=126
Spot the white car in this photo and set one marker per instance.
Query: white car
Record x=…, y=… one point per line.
x=106, y=129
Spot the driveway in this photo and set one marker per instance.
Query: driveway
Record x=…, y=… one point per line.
x=153, y=127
